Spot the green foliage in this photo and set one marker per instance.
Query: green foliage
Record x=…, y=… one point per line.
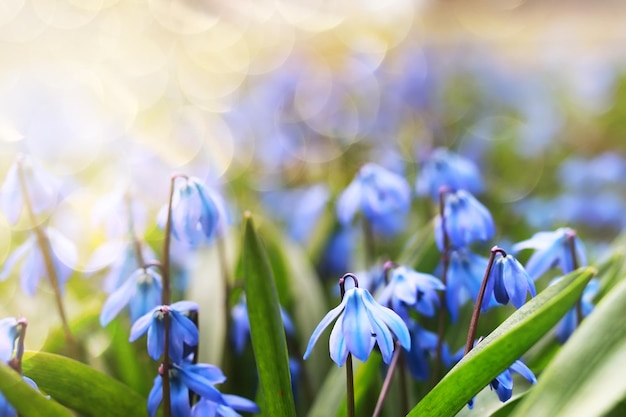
x=81, y=388
x=266, y=327
x=586, y=376
x=502, y=347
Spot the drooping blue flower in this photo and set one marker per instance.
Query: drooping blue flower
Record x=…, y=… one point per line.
x=42, y=189
x=464, y=277
x=379, y=194
x=63, y=252
x=195, y=212
x=503, y=383
x=569, y=322
x=9, y=333
x=423, y=344
x=409, y=288
x=234, y=403
x=182, y=331
x=447, y=169
x=184, y=377
x=6, y=409
x=553, y=249
x=141, y=292
x=361, y=322
x=466, y=221
x=241, y=324
x=338, y=251
x=508, y=281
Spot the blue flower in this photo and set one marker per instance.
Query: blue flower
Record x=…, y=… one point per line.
x=41, y=187
x=199, y=378
x=410, y=288
x=447, y=169
x=503, y=383
x=241, y=324
x=379, y=194
x=62, y=250
x=6, y=409
x=337, y=253
x=553, y=249
x=466, y=221
x=9, y=333
x=182, y=331
x=361, y=322
x=208, y=408
x=423, y=344
x=195, y=212
x=569, y=322
x=464, y=277
x=508, y=281
x=141, y=292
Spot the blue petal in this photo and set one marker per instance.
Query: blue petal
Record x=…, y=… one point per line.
x=142, y=324
x=180, y=398
x=521, y=368
x=328, y=318
x=188, y=329
x=32, y=271
x=204, y=408
x=156, y=339
x=349, y=202
x=356, y=325
x=184, y=306
x=155, y=397
x=241, y=404
x=337, y=344
x=198, y=384
x=391, y=319
x=118, y=300
x=383, y=337
x=16, y=256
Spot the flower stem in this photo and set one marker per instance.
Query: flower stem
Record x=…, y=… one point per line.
x=44, y=244
x=571, y=240
x=445, y=260
x=387, y=382
x=471, y=333
x=131, y=231
x=16, y=362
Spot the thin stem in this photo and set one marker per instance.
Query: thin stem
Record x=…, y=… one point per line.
x=131, y=231
x=16, y=362
x=44, y=244
x=387, y=382
x=445, y=260
x=471, y=333
x=350, y=386
x=571, y=240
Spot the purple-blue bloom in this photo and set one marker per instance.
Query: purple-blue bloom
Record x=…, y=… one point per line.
x=409, y=288
x=63, y=252
x=198, y=378
x=569, y=322
x=234, y=403
x=377, y=193
x=423, y=344
x=182, y=331
x=241, y=324
x=466, y=220
x=42, y=189
x=195, y=211
x=361, y=322
x=503, y=383
x=447, y=169
x=141, y=292
x=508, y=281
x=553, y=249
x=9, y=333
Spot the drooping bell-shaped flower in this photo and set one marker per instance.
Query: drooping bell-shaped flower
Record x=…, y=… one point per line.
x=63, y=253
x=465, y=221
x=409, y=288
x=447, y=169
x=182, y=330
x=8, y=335
x=234, y=403
x=141, y=292
x=560, y=248
x=508, y=281
x=379, y=194
x=42, y=189
x=361, y=323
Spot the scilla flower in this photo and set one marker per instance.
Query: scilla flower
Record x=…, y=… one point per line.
x=234, y=403
x=181, y=329
x=409, y=288
x=503, y=383
x=8, y=335
x=508, y=281
x=195, y=211
x=361, y=323
x=568, y=323
x=553, y=249
x=41, y=187
x=33, y=268
x=447, y=169
x=377, y=193
x=465, y=221
x=141, y=292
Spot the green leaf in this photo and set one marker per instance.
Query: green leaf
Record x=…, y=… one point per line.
x=82, y=388
x=586, y=378
x=27, y=401
x=266, y=327
x=502, y=347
